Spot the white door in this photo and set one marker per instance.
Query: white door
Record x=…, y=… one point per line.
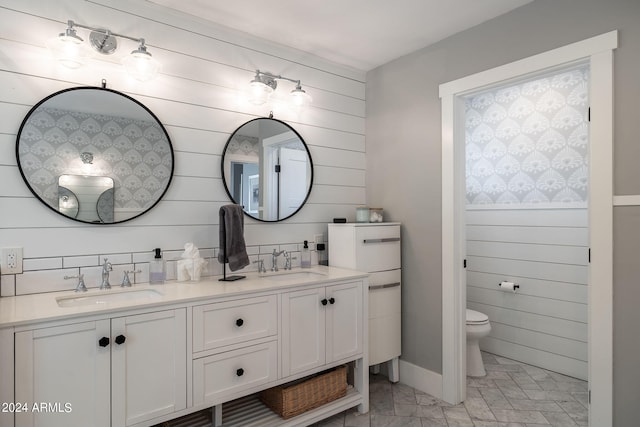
x=293, y=188
x=344, y=321
x=303, y=330
x=149, y=362
x=65, y=372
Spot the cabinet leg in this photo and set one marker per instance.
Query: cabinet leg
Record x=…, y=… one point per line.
x=394, y=371
x=216, y=415
x=375, y=369
x=361, y=383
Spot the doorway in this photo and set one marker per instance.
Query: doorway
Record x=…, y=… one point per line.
x=527, y=169
x=598, y=53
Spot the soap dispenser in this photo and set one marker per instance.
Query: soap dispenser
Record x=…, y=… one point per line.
x=305, y=256
x=157, y=268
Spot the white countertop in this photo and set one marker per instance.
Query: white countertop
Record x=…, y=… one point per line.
x=27, y=309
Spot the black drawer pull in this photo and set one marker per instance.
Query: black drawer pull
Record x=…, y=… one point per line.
x=324, y=301
x=103, y=342
x=240, y=372
x=239, y=322
x=120, y=339
x=332, y=301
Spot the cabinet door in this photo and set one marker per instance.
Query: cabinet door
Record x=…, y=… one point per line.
x=149, y=367
x=344, y=321
x=303, y=330
x=65, y=372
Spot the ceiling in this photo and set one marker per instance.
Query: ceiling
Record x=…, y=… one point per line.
x=361, y=34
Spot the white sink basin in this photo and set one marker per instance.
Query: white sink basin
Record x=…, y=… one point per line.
x=296, y=275
x=106, y=297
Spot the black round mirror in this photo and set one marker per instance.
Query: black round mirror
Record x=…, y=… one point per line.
x=267, y=168
x=94, y=155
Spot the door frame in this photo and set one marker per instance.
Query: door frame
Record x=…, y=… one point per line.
x=597, y=52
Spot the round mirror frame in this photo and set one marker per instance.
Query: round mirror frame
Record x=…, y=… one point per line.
x=96, y=88
x=226, y=184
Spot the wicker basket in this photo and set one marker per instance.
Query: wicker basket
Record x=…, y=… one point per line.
x=294, y=399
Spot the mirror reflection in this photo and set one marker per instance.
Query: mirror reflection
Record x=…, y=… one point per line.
x=86, y=198
x=267, y=168
x=94, y=155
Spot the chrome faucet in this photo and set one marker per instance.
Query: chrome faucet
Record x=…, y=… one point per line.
x=274, y=260
x=287, y=260
x=126, y=281
x=106, y=268
x=81, y=286
x=261, y=268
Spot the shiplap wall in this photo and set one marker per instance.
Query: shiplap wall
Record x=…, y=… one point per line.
x=200, y=99
x=545, y=251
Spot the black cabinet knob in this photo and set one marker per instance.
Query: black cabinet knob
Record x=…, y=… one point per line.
x=120, y=339
x=324, y=301
x=332, y=301
x=240, y=372
x=103, y=342
x=239, y=322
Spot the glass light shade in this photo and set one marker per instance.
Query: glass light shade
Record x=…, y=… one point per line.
x=69, y=50
x=141, y=65
x=260, y=92
x=300, y=97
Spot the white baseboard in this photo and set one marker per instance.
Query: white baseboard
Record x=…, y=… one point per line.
x=421, y=379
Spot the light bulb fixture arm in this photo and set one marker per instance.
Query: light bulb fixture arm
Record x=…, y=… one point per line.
x=276, y=77
x=70, y=52
x=71, y=23
x=264, y=83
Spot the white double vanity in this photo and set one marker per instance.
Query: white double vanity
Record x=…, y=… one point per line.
x=149, y=354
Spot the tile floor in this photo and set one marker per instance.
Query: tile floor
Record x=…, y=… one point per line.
x=512, y=394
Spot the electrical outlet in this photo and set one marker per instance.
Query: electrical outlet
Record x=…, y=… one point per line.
x=11, y=262
x=319, y=238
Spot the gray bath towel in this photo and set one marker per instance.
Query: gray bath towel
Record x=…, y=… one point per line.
x=232, y=246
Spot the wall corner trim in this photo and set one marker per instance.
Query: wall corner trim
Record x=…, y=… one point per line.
x=629, y=200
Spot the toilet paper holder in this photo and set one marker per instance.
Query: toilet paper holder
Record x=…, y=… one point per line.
x=511, y=286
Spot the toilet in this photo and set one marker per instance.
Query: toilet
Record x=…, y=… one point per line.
x=477, y=327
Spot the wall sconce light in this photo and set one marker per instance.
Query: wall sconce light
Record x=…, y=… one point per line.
x=87, y=158
x=68, y=48
x=264, y=83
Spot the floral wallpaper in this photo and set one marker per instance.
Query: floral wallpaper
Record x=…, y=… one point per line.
x=528, y=143
x=243, y=144
x=135, y=153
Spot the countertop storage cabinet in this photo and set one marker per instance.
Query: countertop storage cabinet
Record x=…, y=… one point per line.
x=111, y=372
x=375, y=248
x=204, y=345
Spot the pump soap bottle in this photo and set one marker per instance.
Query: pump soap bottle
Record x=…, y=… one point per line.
x=157, y=269
x=305, y=256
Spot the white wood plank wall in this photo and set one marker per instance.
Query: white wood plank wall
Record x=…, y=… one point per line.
x=200, y=98
x=545, y=251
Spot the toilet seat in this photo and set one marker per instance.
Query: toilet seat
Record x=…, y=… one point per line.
x=476, y=318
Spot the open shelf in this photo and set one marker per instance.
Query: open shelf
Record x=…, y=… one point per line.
x=249, y=411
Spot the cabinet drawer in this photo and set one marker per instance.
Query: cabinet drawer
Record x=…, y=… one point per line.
x=378, y=248
x=217, y=377
x=384, y=294
x=231, y=322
